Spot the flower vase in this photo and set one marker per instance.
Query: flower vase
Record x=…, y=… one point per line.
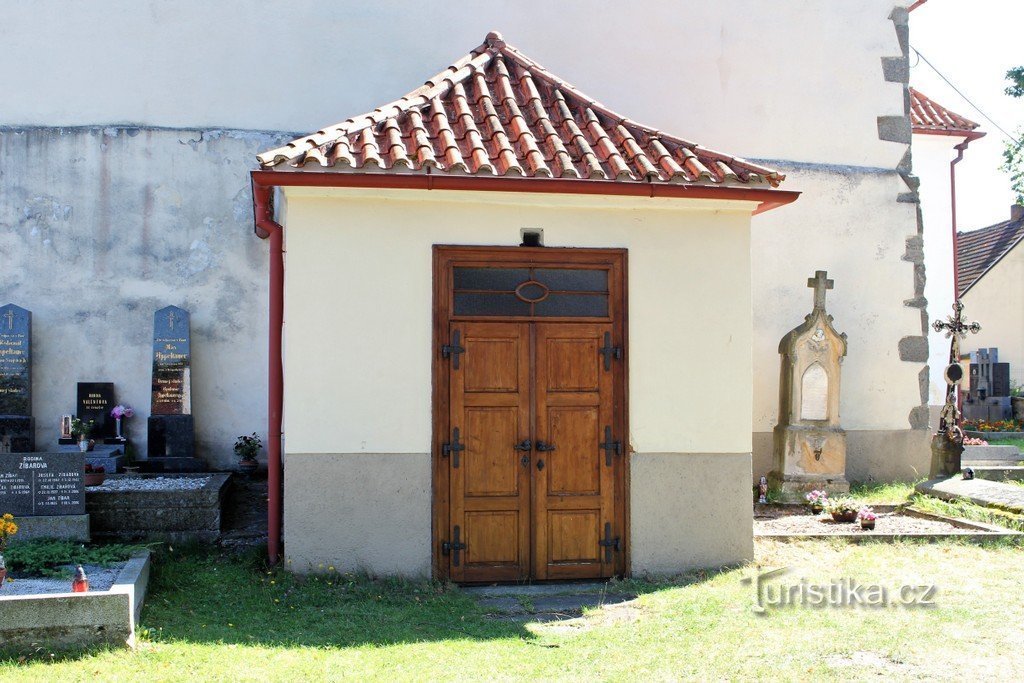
x=117, y=427
x=83, y=445
x=867, y=524
x=3, y=571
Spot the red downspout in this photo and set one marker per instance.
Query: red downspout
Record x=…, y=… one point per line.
x=267, y=226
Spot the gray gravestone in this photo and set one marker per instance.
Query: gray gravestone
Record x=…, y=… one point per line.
x=42, y=484
x=171, y=444
x=17, y=427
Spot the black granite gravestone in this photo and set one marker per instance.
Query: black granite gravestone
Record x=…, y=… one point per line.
x=95, y=401
x=42, y=484
x=171, y=444
x=17, y=427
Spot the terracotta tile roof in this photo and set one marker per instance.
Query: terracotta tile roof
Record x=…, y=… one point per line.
x=495, y=112
x=928, y=116
x=978, y=250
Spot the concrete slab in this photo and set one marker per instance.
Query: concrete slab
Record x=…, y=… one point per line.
x=1002, y=454
x=77, y=620
x=997, y=472
x=979, y=491
x=69, y=527
x=548, y=602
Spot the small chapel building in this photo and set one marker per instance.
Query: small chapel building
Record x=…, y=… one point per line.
x=487, y=298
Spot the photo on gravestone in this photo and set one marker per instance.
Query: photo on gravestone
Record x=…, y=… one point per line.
x=17, y=428
x=171, y=433
x=95, y=401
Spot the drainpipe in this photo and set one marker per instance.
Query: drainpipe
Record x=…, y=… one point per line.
x=266, y=226
x=960, y=149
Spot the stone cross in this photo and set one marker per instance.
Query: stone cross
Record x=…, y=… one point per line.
x=820, y=283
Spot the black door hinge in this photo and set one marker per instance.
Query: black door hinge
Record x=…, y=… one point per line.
x=454, y=448
x=453, y=547
x=609, y=544
x=454, y=349
x=610, y=447
x=609, y=351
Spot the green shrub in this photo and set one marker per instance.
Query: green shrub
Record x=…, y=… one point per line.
x=50, y=557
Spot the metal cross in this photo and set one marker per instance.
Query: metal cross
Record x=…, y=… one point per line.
x=171, y=319
x=820, y=283
x=10, y=319
x=956, y=329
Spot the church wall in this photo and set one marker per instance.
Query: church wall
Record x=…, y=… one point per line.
x=358, y=364
x=99, y=228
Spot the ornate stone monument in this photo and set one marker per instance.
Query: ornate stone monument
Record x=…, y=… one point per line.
x=809, y=444
x=17, y=427
x=171, y=429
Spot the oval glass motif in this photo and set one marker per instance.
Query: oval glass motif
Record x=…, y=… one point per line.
x=532, y=291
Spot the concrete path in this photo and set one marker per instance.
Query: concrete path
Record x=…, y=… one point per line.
x=546, y=602
x=979, y=491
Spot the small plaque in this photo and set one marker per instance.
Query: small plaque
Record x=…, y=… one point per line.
x=814, y=394
x=42, y=484
x=95, y=401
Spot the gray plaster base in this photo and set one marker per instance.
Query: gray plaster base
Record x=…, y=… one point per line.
x=77, y=620
x=871, y=455
x=69, y=527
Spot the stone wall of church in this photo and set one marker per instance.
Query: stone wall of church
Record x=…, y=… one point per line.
x=99, y=228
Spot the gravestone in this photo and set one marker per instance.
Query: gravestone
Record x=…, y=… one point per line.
x=45, y=493
x=171, y=427
x=809, y=445
x=17, y=427
x=94, y=402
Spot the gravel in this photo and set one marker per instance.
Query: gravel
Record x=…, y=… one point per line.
x=802, y=522
x=100, y=579
x=152, y=484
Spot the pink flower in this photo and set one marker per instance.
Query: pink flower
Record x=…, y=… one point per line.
x=119, y=411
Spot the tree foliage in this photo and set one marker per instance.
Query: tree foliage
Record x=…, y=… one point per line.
x=1013, y=153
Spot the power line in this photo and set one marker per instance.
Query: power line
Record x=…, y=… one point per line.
x=966, y=98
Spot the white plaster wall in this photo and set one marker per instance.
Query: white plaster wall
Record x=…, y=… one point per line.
x=358, y=311
x=932, y=155
x=99, y=228
x=997, y=302
x=848, y=223
x=797, y=80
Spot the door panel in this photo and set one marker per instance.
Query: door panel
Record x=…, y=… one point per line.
x=574, y=490
x=489, y=397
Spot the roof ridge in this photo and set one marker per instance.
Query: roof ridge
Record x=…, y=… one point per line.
x=609, y=145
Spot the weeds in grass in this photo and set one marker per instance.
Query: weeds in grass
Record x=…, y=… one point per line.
x=965, y=509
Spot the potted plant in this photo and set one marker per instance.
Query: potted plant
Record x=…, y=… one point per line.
x=867, y=518
x=81, y=430
x=816, y=500
x=94, y=475
x=121, y=412
x=247, y=448
x=842, y=509
x=7, y=529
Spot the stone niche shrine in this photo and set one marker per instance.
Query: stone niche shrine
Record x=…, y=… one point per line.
x=17, y=427
x=809, y=444
x=171, y=428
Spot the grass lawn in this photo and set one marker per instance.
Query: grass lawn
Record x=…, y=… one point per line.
x=224, y=617
x=1019, y=443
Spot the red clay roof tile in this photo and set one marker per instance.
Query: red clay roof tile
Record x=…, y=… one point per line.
x=979, y=250
x=497, y=112
x=928, y=116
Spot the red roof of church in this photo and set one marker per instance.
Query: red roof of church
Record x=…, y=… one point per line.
x=978, y=250
x=929, y=117
x=495, y=112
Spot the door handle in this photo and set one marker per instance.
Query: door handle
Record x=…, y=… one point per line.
x=541, y=446
x=540, y=464
x=524, y=445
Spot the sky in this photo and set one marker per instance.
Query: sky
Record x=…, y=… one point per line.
x=973, y=43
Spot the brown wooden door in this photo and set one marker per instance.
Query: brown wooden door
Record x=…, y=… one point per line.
x=490, y=481
x=574, y=476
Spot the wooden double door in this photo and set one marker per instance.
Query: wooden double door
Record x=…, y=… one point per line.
x=533, y=449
